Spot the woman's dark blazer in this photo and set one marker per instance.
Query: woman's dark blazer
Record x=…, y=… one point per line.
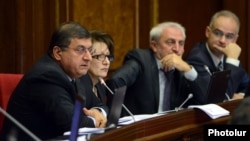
x=101, y=90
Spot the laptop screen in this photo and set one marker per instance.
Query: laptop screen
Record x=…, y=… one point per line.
x=218, y=86
x=116, y=106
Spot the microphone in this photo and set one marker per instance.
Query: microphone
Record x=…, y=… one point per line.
x=185, y=101
x=177, y=108
x=207, y=69
x=103, y=83
x=23, y=128
x=228, y=97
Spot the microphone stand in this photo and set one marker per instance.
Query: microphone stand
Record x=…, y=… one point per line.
x=102, y=82
x=27, y=131
x=178, y=108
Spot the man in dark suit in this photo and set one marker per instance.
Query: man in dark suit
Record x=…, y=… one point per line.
x=44, y=99
x=157, y=79
x=222, y=34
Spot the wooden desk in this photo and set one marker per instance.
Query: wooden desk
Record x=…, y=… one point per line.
x=182, y=125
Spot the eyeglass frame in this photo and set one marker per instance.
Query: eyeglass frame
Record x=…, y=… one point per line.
x=81, y=50
x=102, y=57
x=219, y=34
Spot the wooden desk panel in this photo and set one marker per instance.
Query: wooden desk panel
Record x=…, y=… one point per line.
x=182, y=125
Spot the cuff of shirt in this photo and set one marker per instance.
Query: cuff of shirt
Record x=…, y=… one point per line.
x=191, y=75
x=103, y=112
x=233, y=61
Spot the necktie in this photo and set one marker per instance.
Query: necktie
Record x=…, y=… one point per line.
x=167, y=90
x=73, y=82
x=220, y=66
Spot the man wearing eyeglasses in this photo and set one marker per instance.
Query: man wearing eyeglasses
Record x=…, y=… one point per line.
x=221, y=52
x=44, y=100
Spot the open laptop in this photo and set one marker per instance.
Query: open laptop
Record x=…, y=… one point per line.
x=113, y=116
x=218, y=86
x=116, y=107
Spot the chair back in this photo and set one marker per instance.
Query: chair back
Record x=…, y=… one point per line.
x=8, y=83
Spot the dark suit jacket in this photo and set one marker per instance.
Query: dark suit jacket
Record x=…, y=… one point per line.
x=199, y=56
x=140, y=74
x=101, y=90
x=44, y=102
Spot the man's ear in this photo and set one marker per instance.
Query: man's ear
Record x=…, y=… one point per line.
x=57, y=52
x=236, y=38
x=207, y=31
x=153, y=45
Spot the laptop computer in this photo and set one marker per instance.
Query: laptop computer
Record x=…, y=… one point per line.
x=113, y=116
x=218, y=86
x=116, y=107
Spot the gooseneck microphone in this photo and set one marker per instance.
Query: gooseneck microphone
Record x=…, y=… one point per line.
x=177, y=108
x=23, y=128
x=207, y=69
x=185, y=101
x=103, y=83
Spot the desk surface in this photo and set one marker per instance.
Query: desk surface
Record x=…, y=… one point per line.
x=184, y=124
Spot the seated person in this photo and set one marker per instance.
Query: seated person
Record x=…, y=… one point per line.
x=103, y=47
x=222, y=34
x=158, y=79
x=44, y=99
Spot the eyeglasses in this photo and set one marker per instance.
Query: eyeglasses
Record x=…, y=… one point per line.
x=81, y=50
x=102, y=57
x=218, y=33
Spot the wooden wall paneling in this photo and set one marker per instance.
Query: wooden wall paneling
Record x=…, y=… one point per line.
x=8, y=53
x=30, y=32
x=194, y=15
x=38, y=44
x=51, y=19
x=240, y=9
x=23, y=27
x=114, y=17
x=63, y=11
x=28, y=25
x=36, y=22
x=145, y=22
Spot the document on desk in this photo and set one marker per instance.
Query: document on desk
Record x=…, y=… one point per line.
x=129, y=120
x=87, y=130
x=212, y=110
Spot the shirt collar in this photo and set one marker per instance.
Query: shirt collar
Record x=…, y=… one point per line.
x=215, y=59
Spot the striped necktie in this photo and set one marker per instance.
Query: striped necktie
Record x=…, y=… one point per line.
x=168, y=90
x=220, y=66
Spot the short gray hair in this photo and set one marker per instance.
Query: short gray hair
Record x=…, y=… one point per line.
x=156, y=31
x=225, y=13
